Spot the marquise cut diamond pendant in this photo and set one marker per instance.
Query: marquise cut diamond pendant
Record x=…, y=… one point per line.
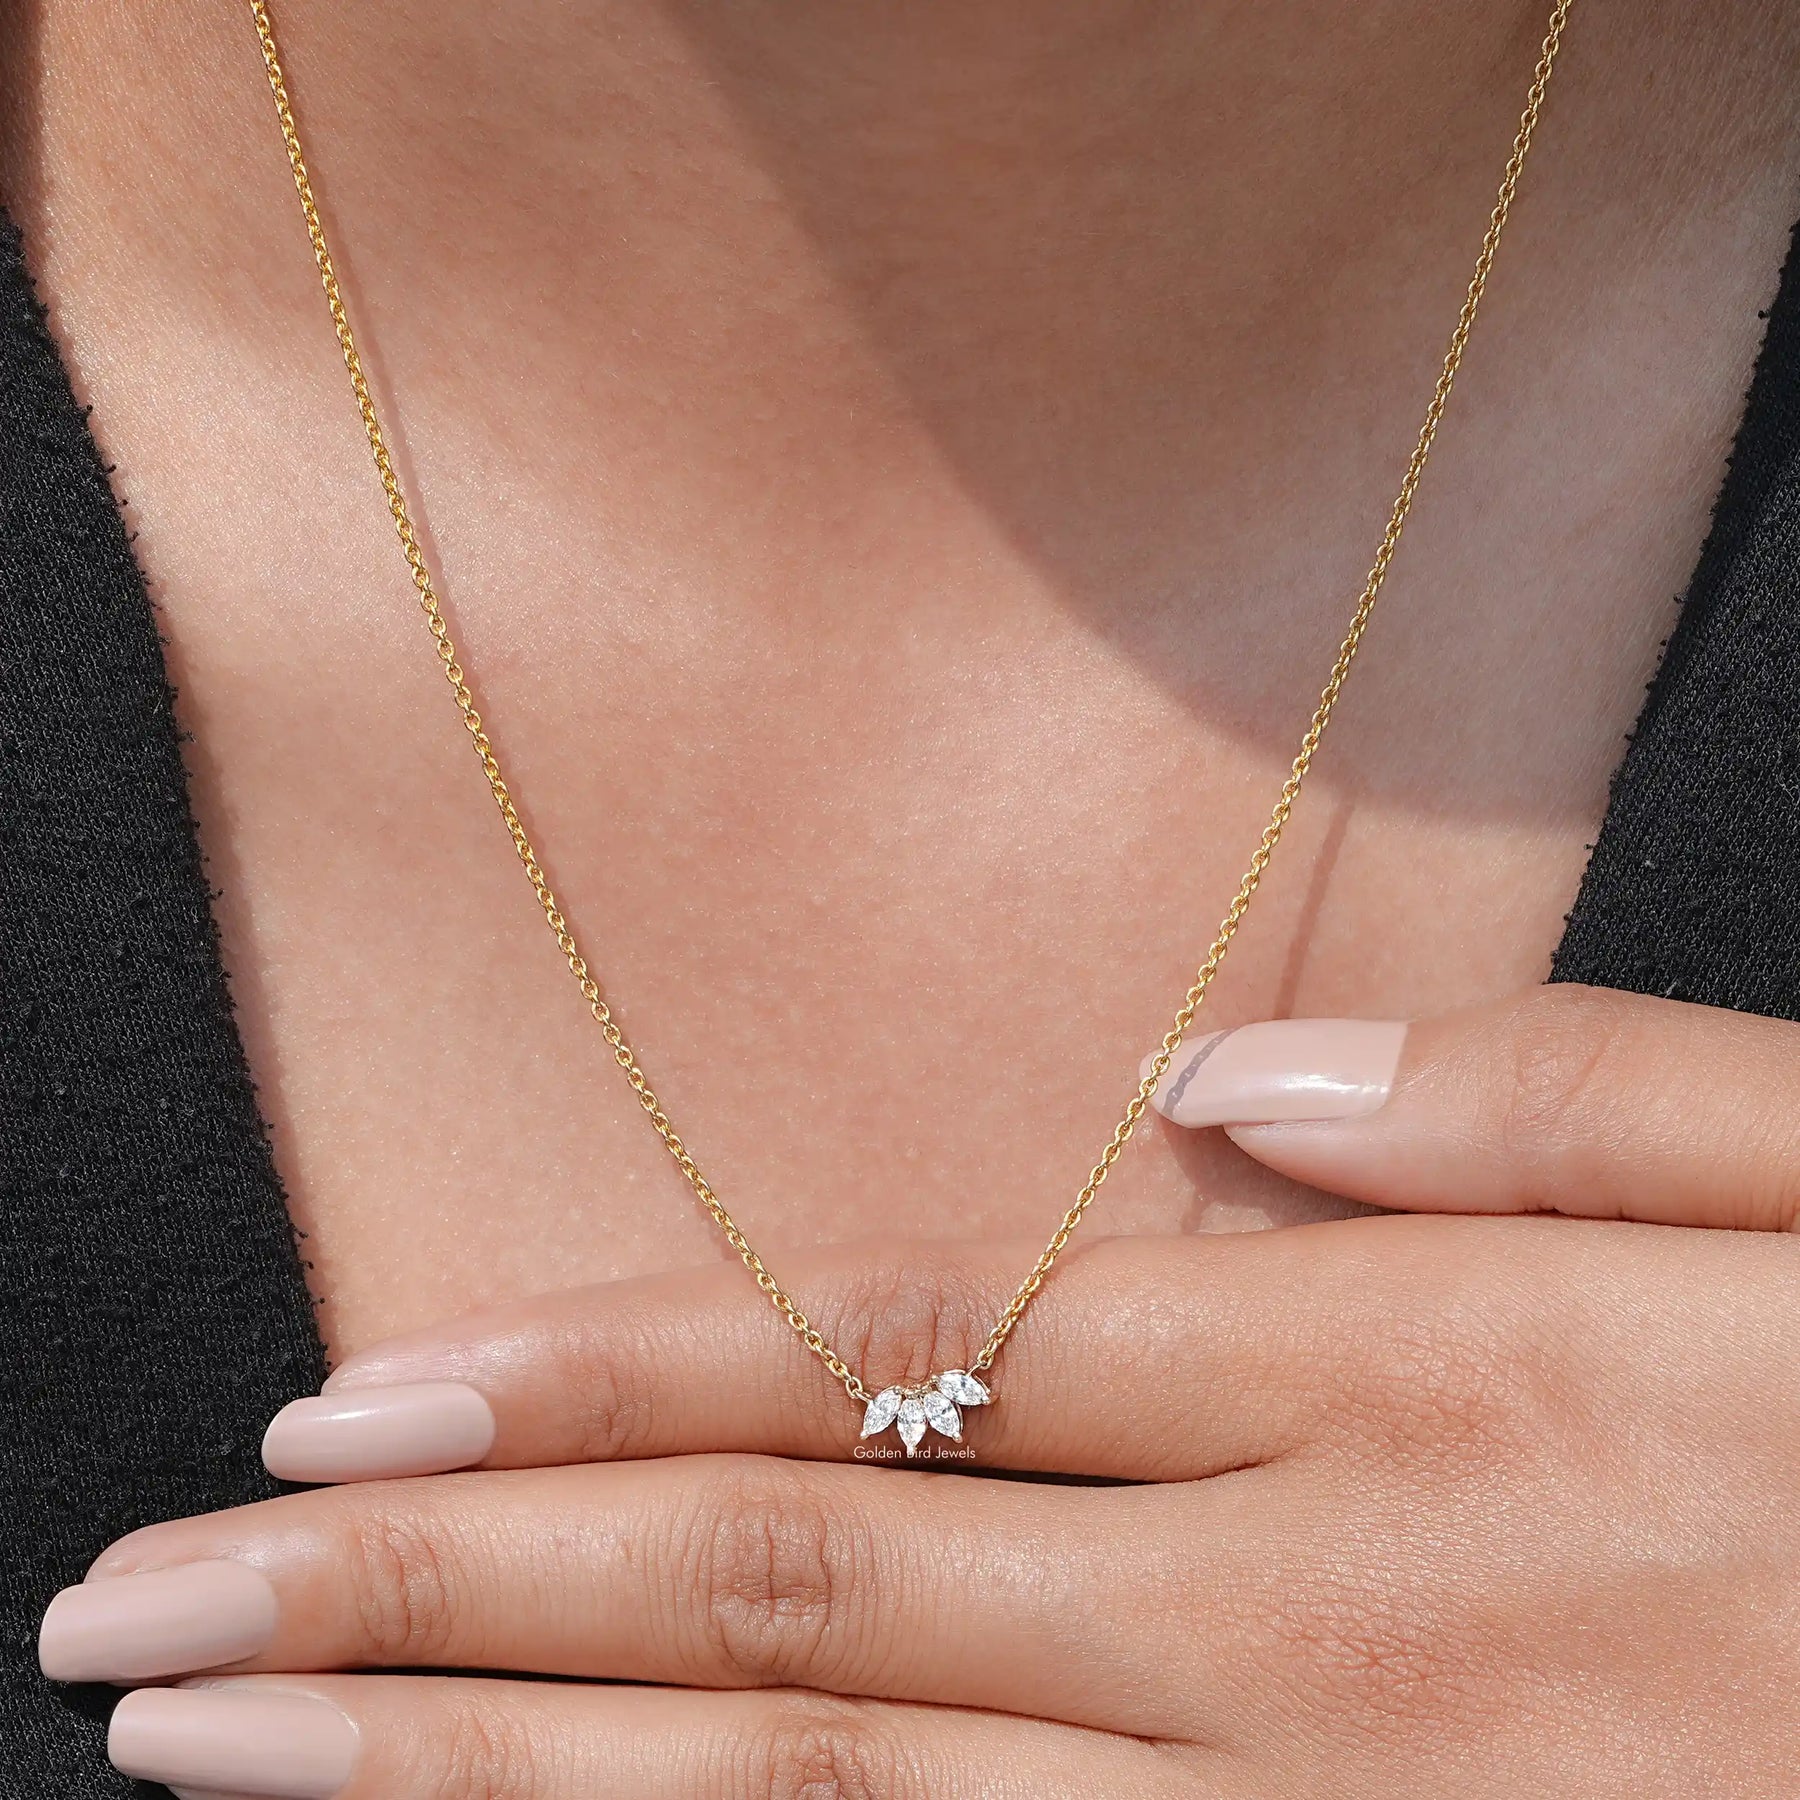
x=934, y=1406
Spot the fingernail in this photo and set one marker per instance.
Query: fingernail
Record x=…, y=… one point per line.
x=201, y=1615
x=380, y=1434
x=1283, y=1071
x=231, y=1741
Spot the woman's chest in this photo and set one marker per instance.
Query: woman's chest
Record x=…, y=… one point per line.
x=890, y=907
x=894, y=705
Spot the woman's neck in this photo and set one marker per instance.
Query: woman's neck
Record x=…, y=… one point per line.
x=988, y=152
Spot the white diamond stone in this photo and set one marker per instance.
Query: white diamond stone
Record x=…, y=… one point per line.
x=963, y=1388
x=884, y=1409
x=946, y=1421
x=912, y=1422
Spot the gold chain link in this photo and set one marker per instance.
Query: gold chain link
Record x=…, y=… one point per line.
x=622, y=1052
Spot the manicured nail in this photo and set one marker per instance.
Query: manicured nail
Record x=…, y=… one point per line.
x=232, y=1741
x=201, y=1615
x=1283, y=1071
x=380, y=1434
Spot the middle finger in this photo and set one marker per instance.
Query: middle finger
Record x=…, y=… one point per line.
x=706, y=1571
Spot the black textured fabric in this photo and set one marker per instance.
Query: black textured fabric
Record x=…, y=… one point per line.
x=1693, y=889
x=154, y=1313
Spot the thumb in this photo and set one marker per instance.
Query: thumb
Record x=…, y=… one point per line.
x=1572, y=1100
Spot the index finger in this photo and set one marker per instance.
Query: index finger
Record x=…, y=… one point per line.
x=1580, y=1101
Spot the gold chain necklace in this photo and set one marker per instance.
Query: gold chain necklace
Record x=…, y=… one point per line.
x=935, y=1403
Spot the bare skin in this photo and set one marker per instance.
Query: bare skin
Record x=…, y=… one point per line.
x=898, y=483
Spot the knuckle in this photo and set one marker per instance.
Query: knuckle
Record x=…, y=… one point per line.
x=819, y=1749
x=906, y=1318
x=481, y=1755
x=1375, y=1656
x=610, y=1401
x=1559, y=1044
x=407, y=1596
x=1463, y=1386
x=771, y=1564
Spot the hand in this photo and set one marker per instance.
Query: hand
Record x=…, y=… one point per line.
x=1427, y=1506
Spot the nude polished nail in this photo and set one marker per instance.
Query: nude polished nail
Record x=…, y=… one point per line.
x=1283, y=1071
x=380, y=1434
x=233, y=1741
x=141, y=1627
